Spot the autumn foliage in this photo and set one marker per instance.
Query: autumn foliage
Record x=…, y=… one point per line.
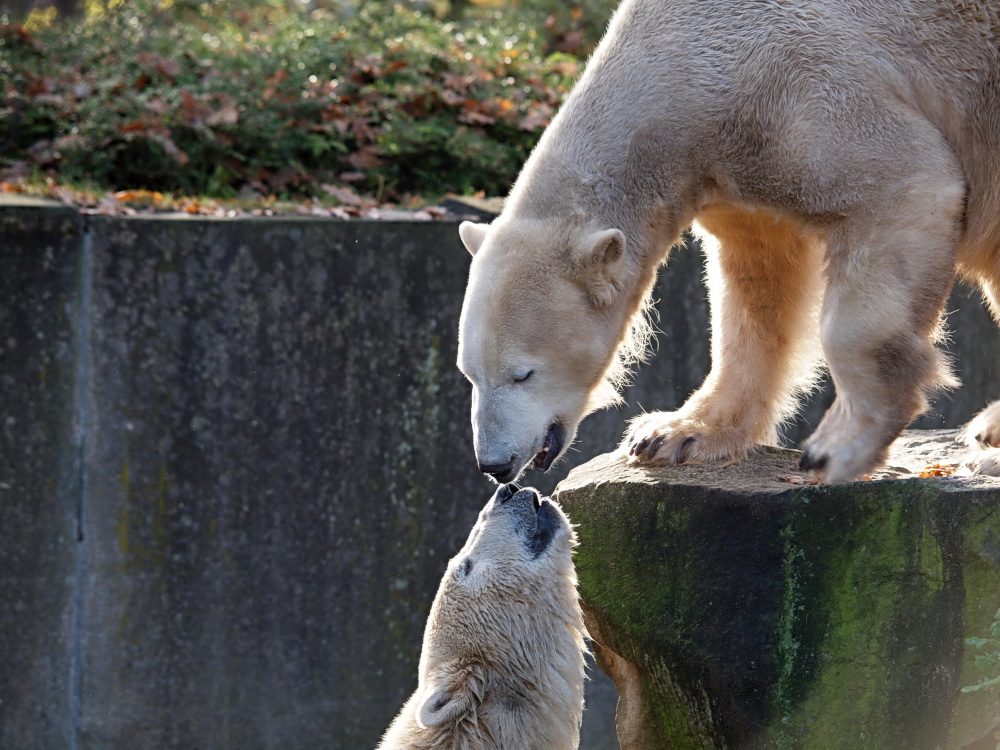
x=386, y=101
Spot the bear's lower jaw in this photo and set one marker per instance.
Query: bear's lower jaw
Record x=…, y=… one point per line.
x=551, y=448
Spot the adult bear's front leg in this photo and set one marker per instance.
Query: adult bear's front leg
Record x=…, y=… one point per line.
x=765, y=283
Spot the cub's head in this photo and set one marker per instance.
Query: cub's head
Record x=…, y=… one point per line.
x=545, y=313
x=503, y=650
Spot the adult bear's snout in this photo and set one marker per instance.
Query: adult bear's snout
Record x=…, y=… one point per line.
x=502, y=473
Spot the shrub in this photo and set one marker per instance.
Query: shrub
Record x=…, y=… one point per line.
x=204, y=99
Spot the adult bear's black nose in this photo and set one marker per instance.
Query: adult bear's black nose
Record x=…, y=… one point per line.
x=501, y=472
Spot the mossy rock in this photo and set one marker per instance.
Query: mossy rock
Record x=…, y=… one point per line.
x=737, y=607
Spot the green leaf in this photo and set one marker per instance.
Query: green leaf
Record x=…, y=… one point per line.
x=981, y=685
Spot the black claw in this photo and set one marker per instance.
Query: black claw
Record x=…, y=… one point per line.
x=810, y=463
x=654, y=446
x=683, y=447
x=640, y=446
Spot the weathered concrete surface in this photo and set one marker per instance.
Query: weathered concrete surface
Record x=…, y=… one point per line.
x=737, y=608
x=234, y=461
x=272, y=476
x=39, y=473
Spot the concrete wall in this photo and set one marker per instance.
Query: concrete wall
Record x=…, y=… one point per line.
x=40, y=475
x=234, y=459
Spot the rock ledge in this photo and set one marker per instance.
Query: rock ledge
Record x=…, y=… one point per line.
x=738, y=607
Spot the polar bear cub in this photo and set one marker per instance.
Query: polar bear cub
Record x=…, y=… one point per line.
x=502, y=664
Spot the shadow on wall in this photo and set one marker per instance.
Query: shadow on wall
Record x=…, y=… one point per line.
x=235, y=456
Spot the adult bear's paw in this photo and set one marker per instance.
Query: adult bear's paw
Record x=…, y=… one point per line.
x=674, y=438
x=986, y=463
x=845, y=448
x=984, y=430
x=982, y=435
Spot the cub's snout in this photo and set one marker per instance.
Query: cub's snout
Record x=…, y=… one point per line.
x=535, y=518
x=506, y=492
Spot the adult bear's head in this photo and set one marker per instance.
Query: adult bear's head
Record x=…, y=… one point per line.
x=553, y=316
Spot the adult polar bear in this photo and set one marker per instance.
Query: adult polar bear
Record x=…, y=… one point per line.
x=841, y=151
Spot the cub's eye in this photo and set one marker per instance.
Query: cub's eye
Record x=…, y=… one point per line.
x=466, y=567
x=521, y=377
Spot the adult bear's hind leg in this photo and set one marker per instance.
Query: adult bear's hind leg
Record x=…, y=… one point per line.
x=765, y=281
x=888, y=276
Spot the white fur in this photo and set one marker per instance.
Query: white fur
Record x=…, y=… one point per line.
x=845, y=154
x=502, y=664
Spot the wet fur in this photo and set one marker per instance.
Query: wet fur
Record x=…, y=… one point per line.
x=502, y=654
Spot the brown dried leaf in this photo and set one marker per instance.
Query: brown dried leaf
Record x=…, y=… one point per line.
x=169, y=68
x=364, y=158
x=362, y=130
x=109, y=206
x=457, y=82
x=273, y=82
x=938, y=470
x=189, y=105
x=172, y=149
x=538, y=117
x=474, y=117
x=797, y=479
x=228, y=114
x=452, y=99
x=344, y=195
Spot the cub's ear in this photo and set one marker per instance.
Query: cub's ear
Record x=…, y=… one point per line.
x=443, y=705
x=472, y=235
x=601, y=265
x=457, y=694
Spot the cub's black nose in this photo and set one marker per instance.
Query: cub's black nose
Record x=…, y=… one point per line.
x=500, y=472
x=507, y=491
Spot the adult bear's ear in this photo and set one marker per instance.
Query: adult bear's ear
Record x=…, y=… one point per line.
x=601, y=265
x=472, y=235
x=449, y=700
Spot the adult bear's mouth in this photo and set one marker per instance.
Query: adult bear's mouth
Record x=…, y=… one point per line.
x=551, y=447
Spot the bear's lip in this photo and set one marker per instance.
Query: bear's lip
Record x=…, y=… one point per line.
x=546, y=523
x=551, y=447
x=537, y=519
